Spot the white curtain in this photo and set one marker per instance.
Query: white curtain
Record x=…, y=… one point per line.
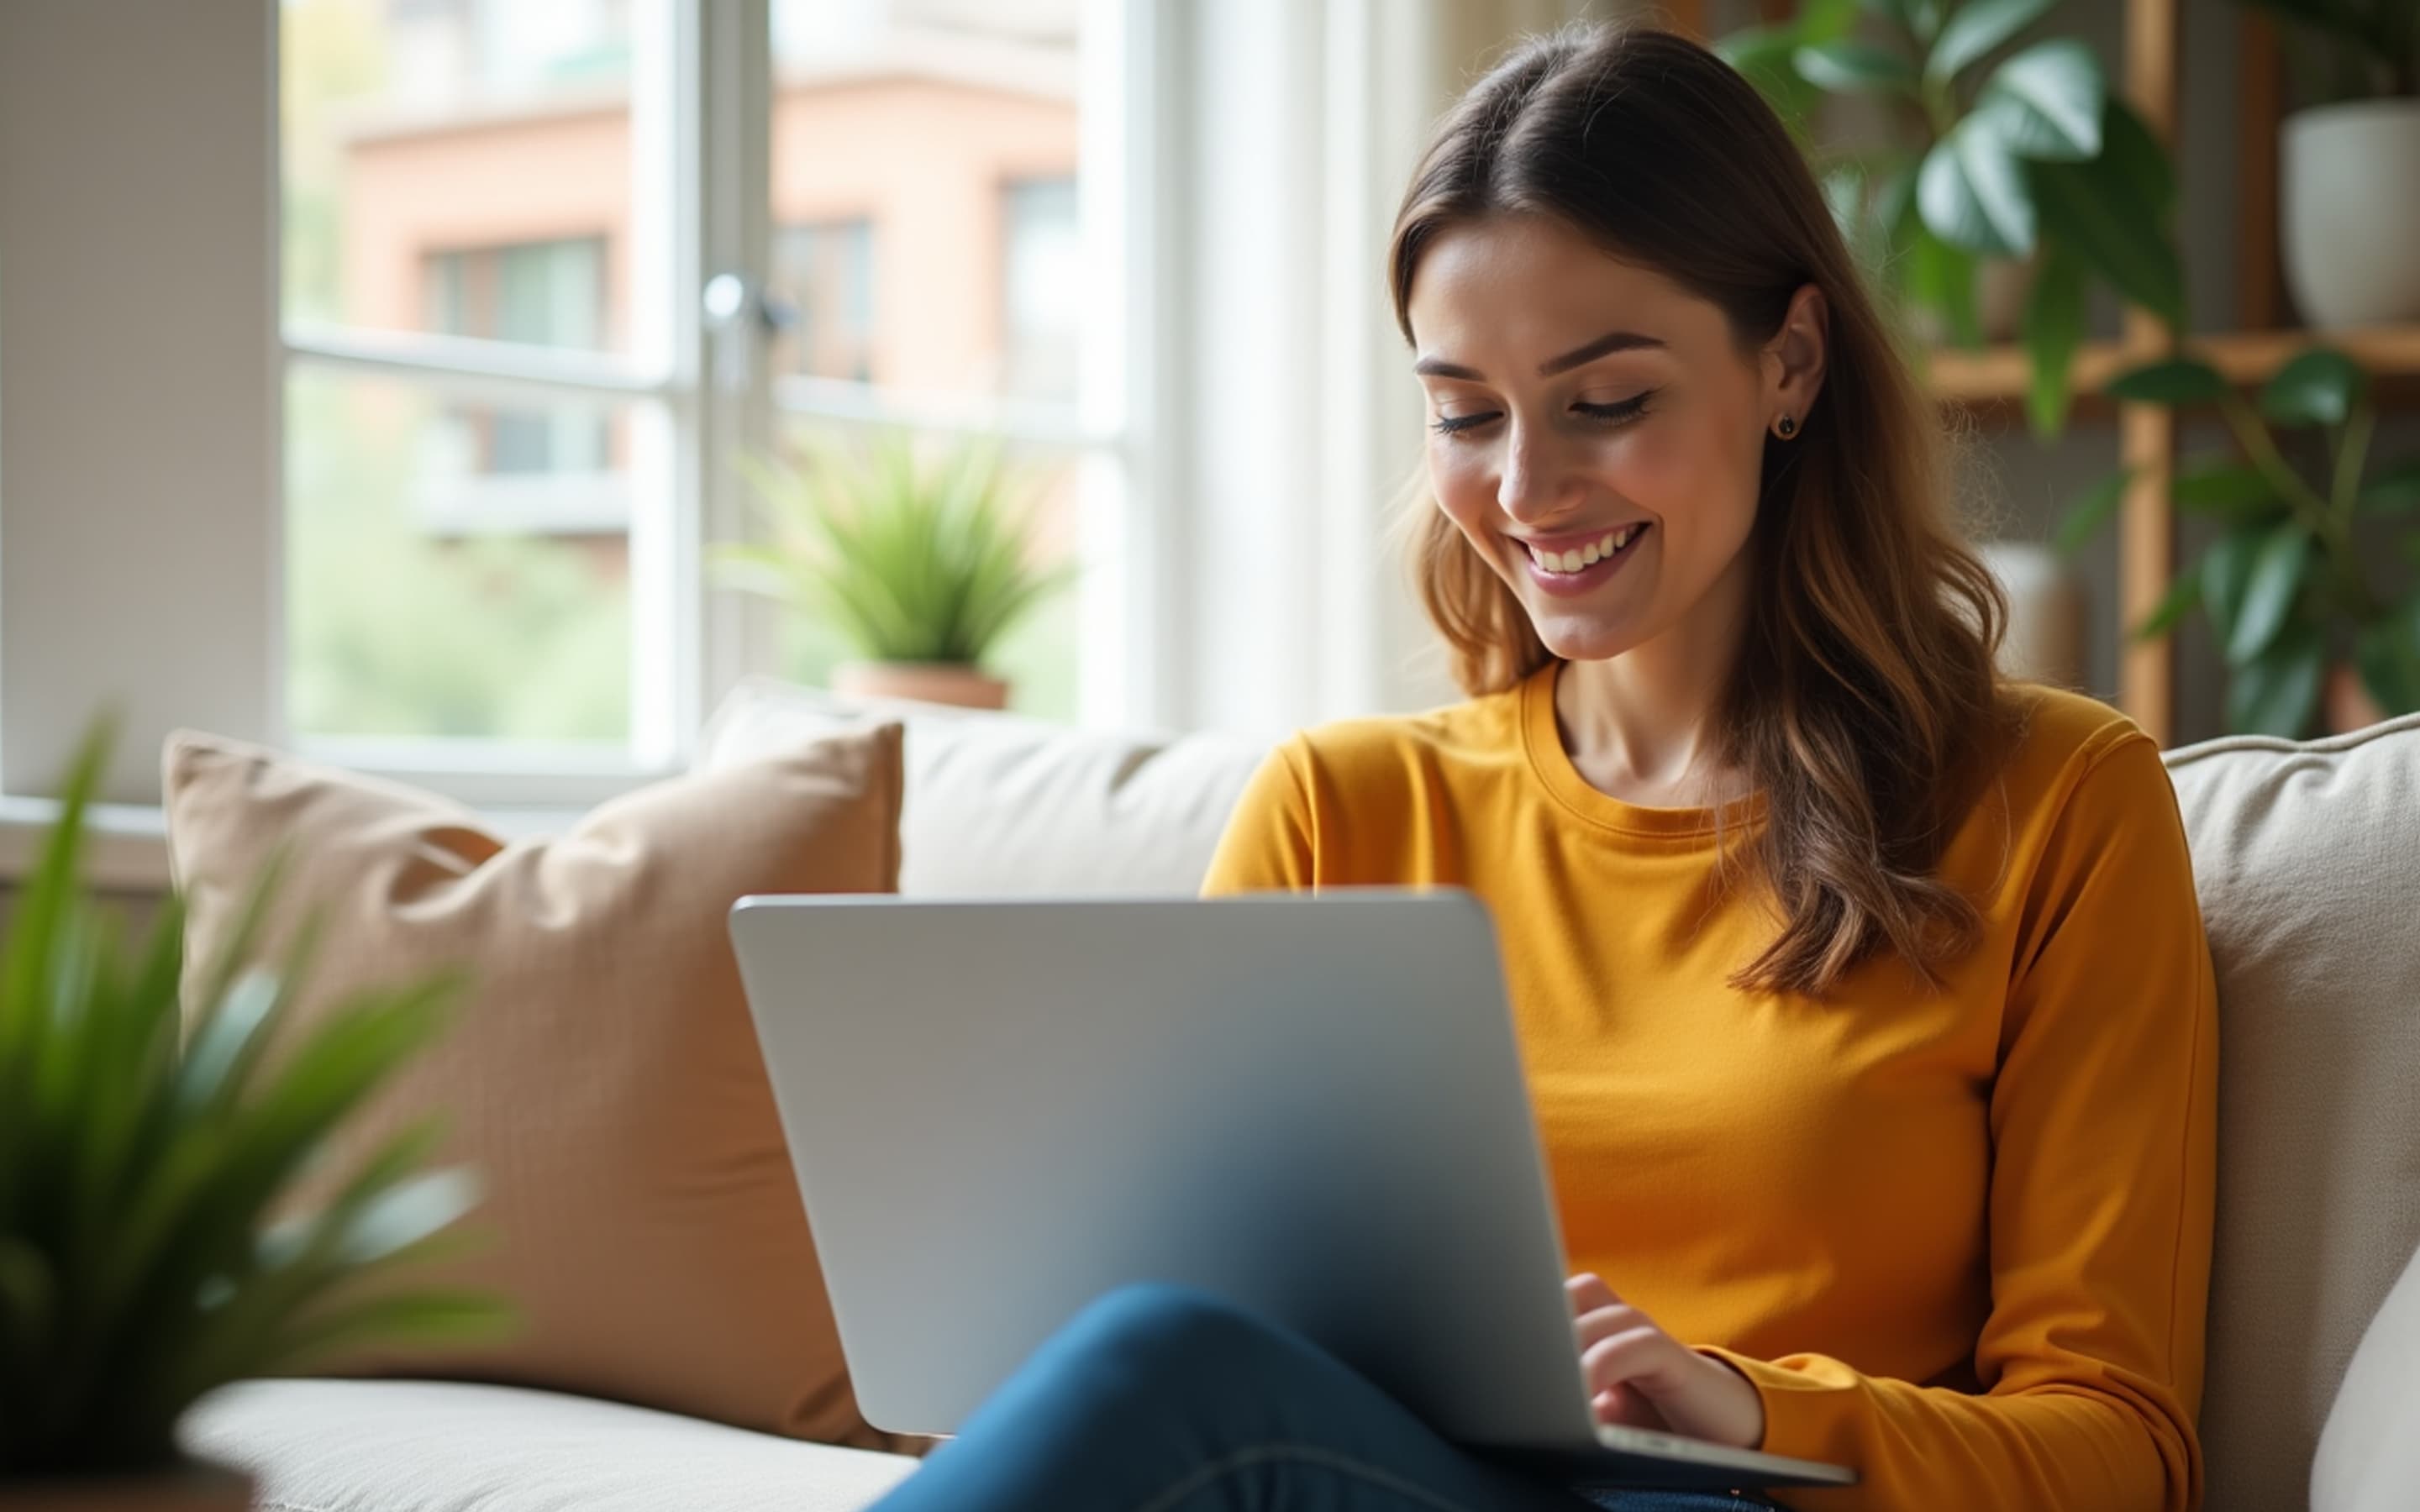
x=1294, y=421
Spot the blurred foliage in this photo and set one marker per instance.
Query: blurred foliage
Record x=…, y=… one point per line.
x=395, y=631
x=1993, y=150
x=2352, y=49
x=914, y=549
x=146, y=1252
x=2291, y=583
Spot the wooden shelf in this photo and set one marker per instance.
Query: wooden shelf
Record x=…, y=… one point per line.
x=1992, y=374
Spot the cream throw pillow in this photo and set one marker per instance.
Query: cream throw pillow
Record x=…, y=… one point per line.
x=603, y=1072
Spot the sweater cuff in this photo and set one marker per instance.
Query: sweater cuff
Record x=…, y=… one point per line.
x=1802, y=1415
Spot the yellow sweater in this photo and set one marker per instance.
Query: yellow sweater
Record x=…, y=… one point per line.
x=1960, y=1241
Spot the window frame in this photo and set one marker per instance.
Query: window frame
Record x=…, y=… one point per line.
x=701, y=105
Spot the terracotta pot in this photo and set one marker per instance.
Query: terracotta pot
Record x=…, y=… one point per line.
x=190, y=1487
x=2346, y=703
x=928, y=682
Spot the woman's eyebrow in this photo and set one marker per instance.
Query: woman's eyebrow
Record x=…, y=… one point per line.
x=1612, y=341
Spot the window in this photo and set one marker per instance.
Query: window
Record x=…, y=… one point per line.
x=937, y=268
x=511, y=435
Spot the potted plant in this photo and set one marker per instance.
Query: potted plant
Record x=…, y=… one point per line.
x=147, y=1249
x=2025, y=158
x=2349, y=217
x=2291, y=585
x=917, y=555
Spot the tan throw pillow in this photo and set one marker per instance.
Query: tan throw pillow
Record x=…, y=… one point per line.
x=602, y=1073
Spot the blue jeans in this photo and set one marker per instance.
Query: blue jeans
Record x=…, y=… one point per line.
x=1159, y=1398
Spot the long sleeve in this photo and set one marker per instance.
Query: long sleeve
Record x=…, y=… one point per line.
x=1268, y=846
x=2103, y=1139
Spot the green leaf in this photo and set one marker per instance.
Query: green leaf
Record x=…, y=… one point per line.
x=2053, y=328
x=2088, y=515
x=2318, y=386
x=1942, y=278
x=2387, y=655
x=1822, y=21
x=2174, y=381
x=2395, y=491
x=1855, y=68
x=2220, y=487
x=2269, y=593
x=2182, y=598
x=2100, y=210
x=1973, y=193
x=1921, y=19
x=2046, y=103
x=1765, y=58
x=1975, y=29
x=2226, y=572
x=2136, y=163
x=2278, y=694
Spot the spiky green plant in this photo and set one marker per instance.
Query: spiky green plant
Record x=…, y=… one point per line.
x=142, y=1260
x=913, y=553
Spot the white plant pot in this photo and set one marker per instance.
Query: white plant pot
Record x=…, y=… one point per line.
x=2349, y=219
x=2045, y=642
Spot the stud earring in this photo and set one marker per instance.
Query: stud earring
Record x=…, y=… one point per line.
x=1785, y=427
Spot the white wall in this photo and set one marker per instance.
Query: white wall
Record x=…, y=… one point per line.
x=138, y=453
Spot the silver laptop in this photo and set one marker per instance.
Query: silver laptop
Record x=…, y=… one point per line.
x=1310, y=1107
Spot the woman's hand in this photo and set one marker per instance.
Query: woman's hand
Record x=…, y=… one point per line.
x=1639, y=1375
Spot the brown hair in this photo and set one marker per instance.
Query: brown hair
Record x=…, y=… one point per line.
x=1865, y=706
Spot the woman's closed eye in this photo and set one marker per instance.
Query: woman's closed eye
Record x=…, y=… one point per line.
x=1616, y=414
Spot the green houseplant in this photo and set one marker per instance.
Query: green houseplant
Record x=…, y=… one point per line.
x=2348, y=223
x=920, y=556
x=2291, y=585
x=147, y=1250
x=2024, y=155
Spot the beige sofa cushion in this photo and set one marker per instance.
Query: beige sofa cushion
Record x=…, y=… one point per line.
x=603, y=1075
x=438, y=1446
x=1000, y=805
x=2306, y=856
x=2369, y=1457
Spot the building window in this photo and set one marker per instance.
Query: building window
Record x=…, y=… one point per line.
x=544, y=293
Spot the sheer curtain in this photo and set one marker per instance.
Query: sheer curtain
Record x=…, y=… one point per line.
x=1295, y=127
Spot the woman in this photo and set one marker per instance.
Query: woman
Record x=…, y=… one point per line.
x=1864, y=998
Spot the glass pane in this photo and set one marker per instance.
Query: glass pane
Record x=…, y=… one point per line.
x=455, y=567
x=924, y=196
x=1036, y=494
x=460, y=167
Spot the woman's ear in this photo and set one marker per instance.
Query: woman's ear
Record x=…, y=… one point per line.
x=1793, y=360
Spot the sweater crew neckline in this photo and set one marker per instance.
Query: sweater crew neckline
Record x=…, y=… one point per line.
x=1541, y=742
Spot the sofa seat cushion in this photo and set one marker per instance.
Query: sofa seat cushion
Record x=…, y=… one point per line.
x=439, y=1446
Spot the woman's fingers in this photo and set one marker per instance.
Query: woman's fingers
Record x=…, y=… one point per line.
x=1624, y=1405
x=1610, y=1320
x=1588, y=1292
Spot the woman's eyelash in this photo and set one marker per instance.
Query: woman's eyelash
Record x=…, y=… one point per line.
x=1612, y=414
x=1630, y=409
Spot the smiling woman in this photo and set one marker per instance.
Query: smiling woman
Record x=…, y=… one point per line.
x=1862, y=994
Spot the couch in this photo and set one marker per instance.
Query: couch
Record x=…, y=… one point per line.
x=2305, y=855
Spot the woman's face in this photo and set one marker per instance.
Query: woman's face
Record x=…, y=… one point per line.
x=1595, y=430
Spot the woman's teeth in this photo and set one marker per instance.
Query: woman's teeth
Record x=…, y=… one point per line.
x=1587, y=556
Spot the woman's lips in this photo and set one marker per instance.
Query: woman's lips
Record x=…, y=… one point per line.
x=1590, y=576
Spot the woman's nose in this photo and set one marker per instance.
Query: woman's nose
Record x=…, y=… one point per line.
x=1531, y=484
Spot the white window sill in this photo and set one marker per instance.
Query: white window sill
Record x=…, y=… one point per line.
x=126, y=844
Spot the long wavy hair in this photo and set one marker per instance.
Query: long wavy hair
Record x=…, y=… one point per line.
x=1865, y=706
